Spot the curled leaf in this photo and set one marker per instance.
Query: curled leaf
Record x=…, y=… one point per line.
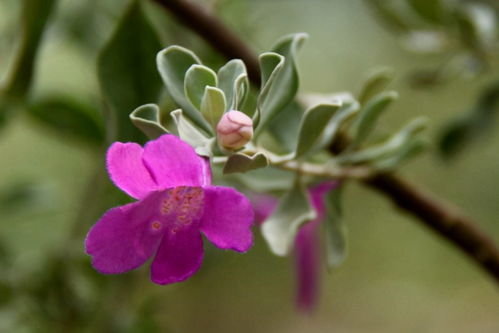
x=190, y=134
x=243, y=163
x=213, y=105
x=368, y=116
x=279, y=79
x=197, y=78
x=173, y=64
x=374, y=84
x=147, y=119
x=233, y=81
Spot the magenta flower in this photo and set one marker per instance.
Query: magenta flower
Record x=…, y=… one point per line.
x=176, y=203
x=307, y=244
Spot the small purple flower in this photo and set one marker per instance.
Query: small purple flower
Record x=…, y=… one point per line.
x=176, y=203
x=307, y=247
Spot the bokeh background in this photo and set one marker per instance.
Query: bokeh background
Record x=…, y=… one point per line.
x=399, y=276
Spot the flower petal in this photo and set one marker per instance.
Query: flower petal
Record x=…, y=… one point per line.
x=307, y=258
x=227, y=218
x=123, y=239
x=179, y=256
x=317, y=194
x=263, y=206
x=127, y=171
x=173, y=162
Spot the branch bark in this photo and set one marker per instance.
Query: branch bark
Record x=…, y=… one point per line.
x=213, y=31
x=442, y=217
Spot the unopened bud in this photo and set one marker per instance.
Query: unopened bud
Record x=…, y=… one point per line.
x=234, y=130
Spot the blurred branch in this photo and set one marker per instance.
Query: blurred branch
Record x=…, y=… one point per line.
x=443, y=218
x=209, y=27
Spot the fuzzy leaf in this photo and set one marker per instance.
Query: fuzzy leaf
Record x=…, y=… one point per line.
x=147, y=119
x=279, y=79
x=69, y=117
x=126, y=71
x=388, y=147
x=294, y=209
x=270, y=65
x=263, y=180
x=213, y=105
x=374, y=84
x=243, y=163
x=335, y=230
x=286, y=124
x=233, y=80
x=173, y=64
x=368, y=116
x=314, y=121
x=404, y=153
x=190, y=134
x=197, y=78
x=339, y=119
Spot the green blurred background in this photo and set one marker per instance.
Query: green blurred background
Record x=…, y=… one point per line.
x=399, y=276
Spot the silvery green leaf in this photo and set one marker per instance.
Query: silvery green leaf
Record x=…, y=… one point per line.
x=374, y=84
x=126, y=71
x=197, y=78
x=406, y=152
x=368, y=116
x=335, y=229
x=388, y=147
x=147, y=119
x=339, y=119
x=213, y=105
x=285, y=125
x=313, y=123
x=263, y=180
x=294, y=209
x=242, y=163
x=309, y=100
x=173, y=64
x=233, y=80
x=270, y=65
x=190, y=134
x=279, y=79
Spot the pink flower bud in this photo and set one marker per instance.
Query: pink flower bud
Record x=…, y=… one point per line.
x=234, y=130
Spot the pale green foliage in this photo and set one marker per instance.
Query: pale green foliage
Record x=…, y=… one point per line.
x=204, y=96
x=147, y=119
x=294, y=209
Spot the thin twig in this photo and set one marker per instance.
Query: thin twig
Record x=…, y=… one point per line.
x=445, y=219
x=211, y=29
